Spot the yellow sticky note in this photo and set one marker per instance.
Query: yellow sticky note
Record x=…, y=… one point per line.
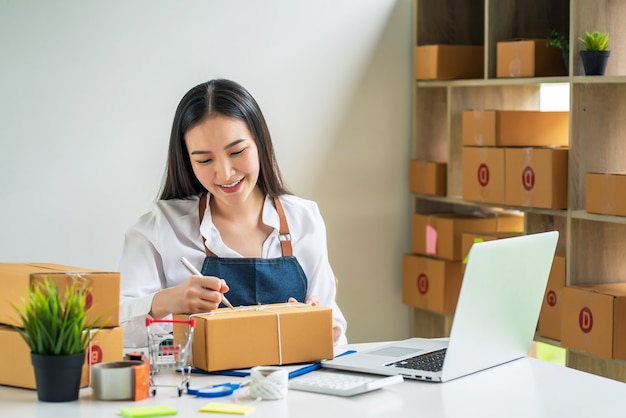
x=227, y=408
x=147, y=411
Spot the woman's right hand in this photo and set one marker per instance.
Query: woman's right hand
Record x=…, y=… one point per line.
x=197, y=294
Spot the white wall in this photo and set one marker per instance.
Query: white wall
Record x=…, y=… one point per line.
x=88, y=92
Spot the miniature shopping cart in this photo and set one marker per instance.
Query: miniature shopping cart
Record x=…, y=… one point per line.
x=170, y=350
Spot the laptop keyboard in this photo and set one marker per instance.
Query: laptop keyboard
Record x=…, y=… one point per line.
x=430, y=362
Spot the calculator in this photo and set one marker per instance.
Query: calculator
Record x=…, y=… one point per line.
x=341, y=384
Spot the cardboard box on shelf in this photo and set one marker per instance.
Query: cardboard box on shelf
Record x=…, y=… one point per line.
x=427, y=177
x=483, y=174
x=431, y=284
x=593, y=319
x=470, y=238
x=16, y=368
x=515, y=128
x=536, y=177
x=550, y=317
x=440, y=234
x=449, y=62
x=261, y=336
x=528, y=58
x=606, y=193
x=17, y=278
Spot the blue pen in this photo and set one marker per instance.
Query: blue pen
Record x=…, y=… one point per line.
x=315, y=366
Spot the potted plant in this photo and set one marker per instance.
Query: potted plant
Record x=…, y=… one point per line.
x=559, y=40
x=596, y=53
x=54, y=328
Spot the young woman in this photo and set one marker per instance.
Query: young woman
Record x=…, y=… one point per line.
x=224, y=208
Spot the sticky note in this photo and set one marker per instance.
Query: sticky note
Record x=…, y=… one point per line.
x=147, y=411
x=475, y=241
x=431, y=240
x=227, y=408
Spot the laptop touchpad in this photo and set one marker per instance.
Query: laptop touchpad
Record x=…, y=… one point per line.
x=394, y=351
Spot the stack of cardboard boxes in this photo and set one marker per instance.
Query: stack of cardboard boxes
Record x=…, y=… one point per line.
x=433, y=272
x=515, y=157
x=103, y=303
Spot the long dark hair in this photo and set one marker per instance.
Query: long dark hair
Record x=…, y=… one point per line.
x=217, y=97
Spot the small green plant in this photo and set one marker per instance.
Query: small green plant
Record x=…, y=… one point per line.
x=559, y=40
x=54, y=321
x=595, y=41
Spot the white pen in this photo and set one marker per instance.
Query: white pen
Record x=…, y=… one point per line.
x=194, y=271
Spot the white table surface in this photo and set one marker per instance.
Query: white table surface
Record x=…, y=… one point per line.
x=524, y=388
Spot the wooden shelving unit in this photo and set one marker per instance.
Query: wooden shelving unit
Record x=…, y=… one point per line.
x=594, y=245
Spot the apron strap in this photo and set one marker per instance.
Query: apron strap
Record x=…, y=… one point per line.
x=284, y=235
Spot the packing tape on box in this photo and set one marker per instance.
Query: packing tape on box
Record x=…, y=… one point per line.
x=120, y=380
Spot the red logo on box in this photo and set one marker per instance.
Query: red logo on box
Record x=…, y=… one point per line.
x=422, y=283
x=483, y=174
x=528, y=178
x=551, y=298
x=88, y=301
x=95, y=354
x=585, y=320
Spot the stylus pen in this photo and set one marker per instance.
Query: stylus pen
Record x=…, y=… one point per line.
x=193, y=270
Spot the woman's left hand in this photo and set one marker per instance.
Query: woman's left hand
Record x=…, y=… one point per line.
x=313, y=301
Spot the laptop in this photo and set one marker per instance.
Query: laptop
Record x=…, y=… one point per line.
x=494, y=322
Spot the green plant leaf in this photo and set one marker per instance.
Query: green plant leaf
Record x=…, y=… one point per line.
x=595, y=41
x=54, y=321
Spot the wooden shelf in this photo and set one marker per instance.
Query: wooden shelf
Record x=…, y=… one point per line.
x=480, y=82
x=491, y=206
x=594, y=244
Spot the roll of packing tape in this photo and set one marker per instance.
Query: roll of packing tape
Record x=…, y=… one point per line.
x=120, y=380
x=268, y=382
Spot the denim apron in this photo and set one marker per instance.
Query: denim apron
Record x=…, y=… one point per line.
x=254, y=281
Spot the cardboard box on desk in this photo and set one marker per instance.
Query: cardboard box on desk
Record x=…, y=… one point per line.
x=16, y=368
x=483, y=174
x=515, y=128
x=528, y=58
x=606, y=193
x=593, y=319
x=440, y=235
x=431, y=284
x=536, y=177
x=261, y=336
x=427, y=177
x=550, y=316
x=449, y=62
x=17, y=279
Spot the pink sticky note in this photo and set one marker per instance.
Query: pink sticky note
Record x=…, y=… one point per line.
x=431, y=240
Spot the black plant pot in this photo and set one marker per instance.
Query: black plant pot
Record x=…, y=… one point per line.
x=565, y=56
x=595, y=62
x=58, y=377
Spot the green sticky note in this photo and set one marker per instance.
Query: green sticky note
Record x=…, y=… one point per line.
x=475, y=241
x=227, y=408
x=147, y=411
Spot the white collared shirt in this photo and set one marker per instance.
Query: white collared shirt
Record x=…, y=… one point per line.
x=154, y=246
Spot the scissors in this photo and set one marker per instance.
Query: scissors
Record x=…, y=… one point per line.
x=214, y=391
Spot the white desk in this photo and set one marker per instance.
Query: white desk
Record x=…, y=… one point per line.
x=525, y=388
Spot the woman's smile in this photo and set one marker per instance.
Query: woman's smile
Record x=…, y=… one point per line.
x=232, y=187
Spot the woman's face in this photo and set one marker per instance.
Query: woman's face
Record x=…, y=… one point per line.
x=224, y=158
